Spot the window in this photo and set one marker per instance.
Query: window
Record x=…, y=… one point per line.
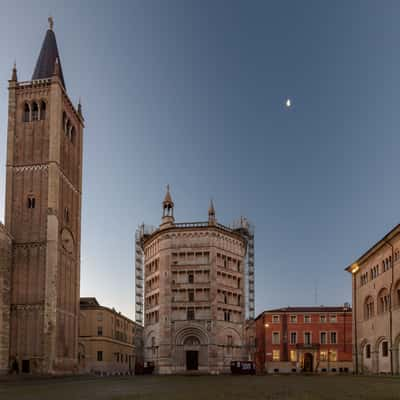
x=153, y=341
x=229, y=340
x=238, y=266
x=191, y=294
x=293, y=355
x=35, y=112
x=293, y=337
x=307, y=319
x=99, y=356
x=191, y=278
x=385, y=349
x=227, y=315
x=323, y=355
x=275, y=355
x=66, y=215
x=368, y=308
x=275, y=338
x=307, y=338
x=27, y=113
x=322, y=319
x=117, y=357
x=225, y=299
x=293, y=319
x=333, y=318
x=238, y=283
x=322, y=337
x=100, y=317
x=275, y=319
x=333, y=355
x=383, y=301
x=368, y=351
x=333, y=338
x=190, y=314
x=99, y=331
x=238, y=300
x=31, y=202
x=42, y=110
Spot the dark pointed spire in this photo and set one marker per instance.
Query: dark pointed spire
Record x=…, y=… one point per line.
x=47, y=57
x=80, y=107
x=14, y=77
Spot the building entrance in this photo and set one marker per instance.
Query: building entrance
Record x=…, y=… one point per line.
x=308, y=362
x=192, y=360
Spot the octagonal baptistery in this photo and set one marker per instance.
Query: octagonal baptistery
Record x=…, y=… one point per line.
x=194, y=300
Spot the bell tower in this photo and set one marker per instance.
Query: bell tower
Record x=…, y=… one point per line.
x=43, y=216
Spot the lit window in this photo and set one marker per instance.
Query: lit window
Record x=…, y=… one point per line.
x=323, y=355
x=275, y=355
x=333, y=355
x=275, y=338
x=293, y=355
x=275, y=319
x=307, y=319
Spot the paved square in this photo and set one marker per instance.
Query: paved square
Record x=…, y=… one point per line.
x=203, y=387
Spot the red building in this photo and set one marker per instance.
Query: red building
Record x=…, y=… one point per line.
x=304, y=339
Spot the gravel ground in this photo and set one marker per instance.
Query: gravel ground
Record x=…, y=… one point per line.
x=202, y=387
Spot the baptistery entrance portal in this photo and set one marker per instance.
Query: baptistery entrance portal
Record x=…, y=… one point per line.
x=192, y=360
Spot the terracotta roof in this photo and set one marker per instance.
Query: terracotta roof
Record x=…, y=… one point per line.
x=306, y=309
x=47, y=58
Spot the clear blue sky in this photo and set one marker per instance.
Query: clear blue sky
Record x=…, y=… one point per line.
x=191, y=93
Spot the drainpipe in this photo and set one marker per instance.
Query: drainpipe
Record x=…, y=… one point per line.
x=390, y=308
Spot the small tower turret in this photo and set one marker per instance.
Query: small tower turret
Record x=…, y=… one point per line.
x=14, y=73
x=168, y=210
x=211, y=214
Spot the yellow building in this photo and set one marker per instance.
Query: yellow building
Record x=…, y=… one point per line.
x=376, y=307
x=106, y=340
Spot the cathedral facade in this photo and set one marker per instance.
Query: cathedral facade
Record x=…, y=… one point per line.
x=40, y=241
x=194, y=295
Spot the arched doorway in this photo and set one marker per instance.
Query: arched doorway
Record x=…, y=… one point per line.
x=191, y=348
x=308, y=362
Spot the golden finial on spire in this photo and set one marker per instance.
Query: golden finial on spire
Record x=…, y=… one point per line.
x=51, y=23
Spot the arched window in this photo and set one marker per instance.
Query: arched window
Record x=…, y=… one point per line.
x=368, y=351
x=72, y=134
x=27, y=113
x=67, y=132
x=383, y=301
x=396, y=294
x=35, y=111
x=368, y=308
x=42, y=110
x=65, y=122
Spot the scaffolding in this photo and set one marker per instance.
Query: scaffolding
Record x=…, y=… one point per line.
x=141, y=232
x=246, y=228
